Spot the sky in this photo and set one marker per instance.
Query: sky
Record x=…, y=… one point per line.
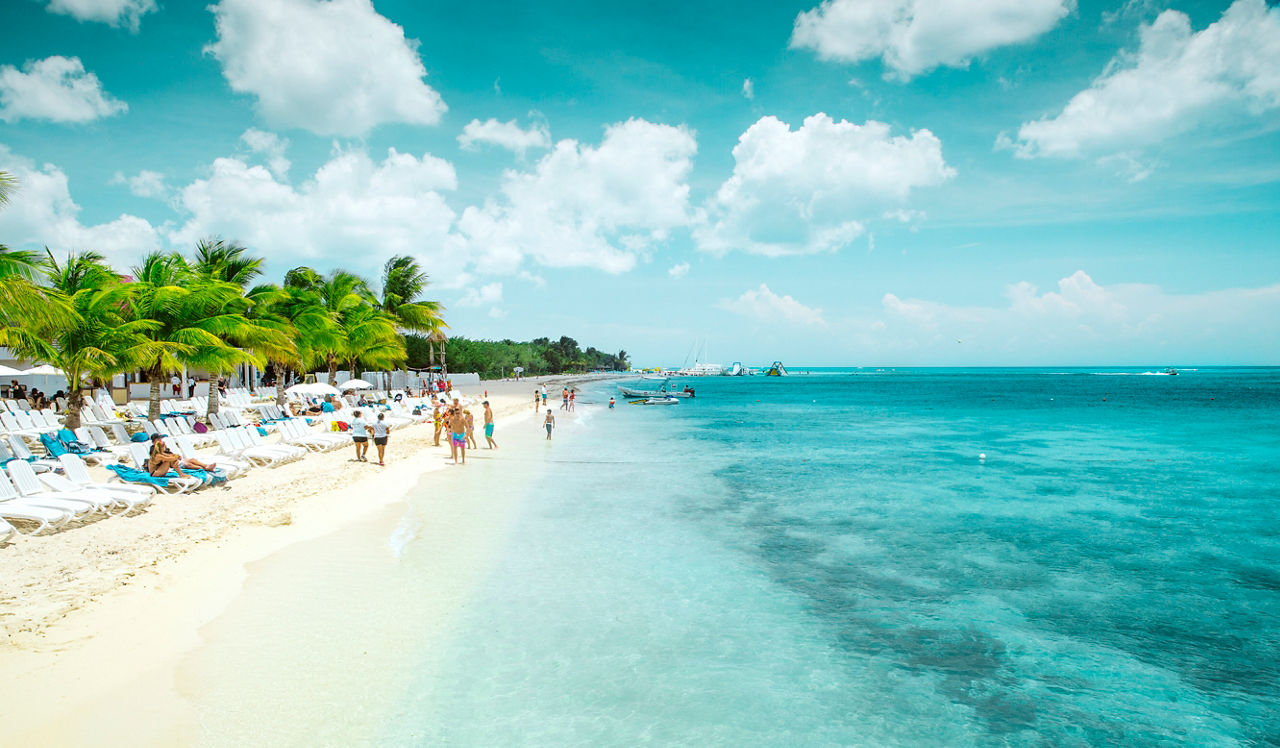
x=846, y=182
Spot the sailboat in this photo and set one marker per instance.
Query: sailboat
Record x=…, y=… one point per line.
x=702, y=368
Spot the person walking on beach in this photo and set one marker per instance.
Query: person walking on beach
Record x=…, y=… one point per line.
x=380, y=431
x=191, y=386
x=360, y=436
x=573, y=397
x=488, y=426
x=438, y=420
x=458, y=435
x=564, y=399
x=176, y=383
x=549, y=422
x=537, y=398
x=471, y=430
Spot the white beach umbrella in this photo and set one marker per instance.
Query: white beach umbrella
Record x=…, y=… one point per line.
x=314, y=388
x=44, y=370
x=9, y=371
x=354, y=384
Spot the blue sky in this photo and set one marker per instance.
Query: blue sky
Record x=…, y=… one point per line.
x=885, y=182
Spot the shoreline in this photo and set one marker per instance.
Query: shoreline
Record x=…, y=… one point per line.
x=117, y=604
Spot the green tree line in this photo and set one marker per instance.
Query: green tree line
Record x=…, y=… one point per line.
x=498, y=358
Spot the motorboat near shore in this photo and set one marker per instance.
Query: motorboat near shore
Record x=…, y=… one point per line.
x=656, y=401
x=660, y=392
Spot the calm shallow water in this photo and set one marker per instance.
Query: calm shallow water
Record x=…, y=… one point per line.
x=823, y=559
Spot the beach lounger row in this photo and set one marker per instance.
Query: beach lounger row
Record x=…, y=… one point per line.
x=50, y=501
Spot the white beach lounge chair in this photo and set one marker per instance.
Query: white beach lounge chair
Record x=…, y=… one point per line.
x=134, y=494
x=23, y=479
x=183, y=445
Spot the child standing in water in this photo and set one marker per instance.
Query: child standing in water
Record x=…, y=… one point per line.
x=550, y=423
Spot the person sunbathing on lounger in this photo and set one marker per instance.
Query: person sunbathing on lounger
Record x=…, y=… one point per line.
x=162, y=460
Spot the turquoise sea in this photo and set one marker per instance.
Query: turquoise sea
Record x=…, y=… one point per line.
x=823, y=559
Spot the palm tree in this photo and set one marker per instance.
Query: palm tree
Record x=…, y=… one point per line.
x=298, y=316
x=370, y=337
x=403, y=281
x=339, y=295
x=98, y=342
x=21, y=299
x=191, y=322
x=229, y=263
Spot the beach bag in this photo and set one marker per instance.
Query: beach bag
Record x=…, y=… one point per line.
x=141, y=436
x=200, y=428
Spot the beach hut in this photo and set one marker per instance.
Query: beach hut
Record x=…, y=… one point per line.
x=435, y=352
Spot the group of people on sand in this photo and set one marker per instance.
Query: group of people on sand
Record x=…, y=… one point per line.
x=461, y=425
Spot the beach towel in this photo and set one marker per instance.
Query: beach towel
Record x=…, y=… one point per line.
x=73, y=445
x=54, y=446
x=141, y=436
x=134, y=475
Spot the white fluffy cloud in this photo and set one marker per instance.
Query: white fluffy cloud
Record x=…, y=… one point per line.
x=57, y=89
x=1082, y=321
x=335, y=67
x=585, y=206
x=486, y=295
x=765, y=305
x=144, y=184
x=507, y=135
x=1177, y=81
x=679, y=270
x=270, y=146
x=354, y=210
x=117, y=13
x=811, y=189
x=915, y=36
x=42, y=213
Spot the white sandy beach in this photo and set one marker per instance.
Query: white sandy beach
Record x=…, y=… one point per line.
x=103, y=623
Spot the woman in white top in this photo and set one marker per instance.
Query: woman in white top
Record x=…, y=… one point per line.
x=380, y=436
x=360, y=435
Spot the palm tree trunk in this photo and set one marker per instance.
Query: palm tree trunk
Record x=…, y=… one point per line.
x=153, y=401
x=214, y=376
x=333, y=371
x=280, y=374
x=75, y=400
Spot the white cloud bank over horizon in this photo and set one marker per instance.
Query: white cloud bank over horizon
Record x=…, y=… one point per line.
x=1177, y=81
x=117, y=13
x=1081, y=322
x=916, y=36
x=812, y=189
x=57, y=89
x=334, y=68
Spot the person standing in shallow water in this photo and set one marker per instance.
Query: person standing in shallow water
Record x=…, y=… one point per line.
x=457, y=424
x=537, y=399
x=564, y=399
x=611, y=403
x=488, y=426
x=549, y=422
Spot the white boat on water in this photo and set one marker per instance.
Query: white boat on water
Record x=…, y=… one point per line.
x=660, y=401
x=661, y=392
